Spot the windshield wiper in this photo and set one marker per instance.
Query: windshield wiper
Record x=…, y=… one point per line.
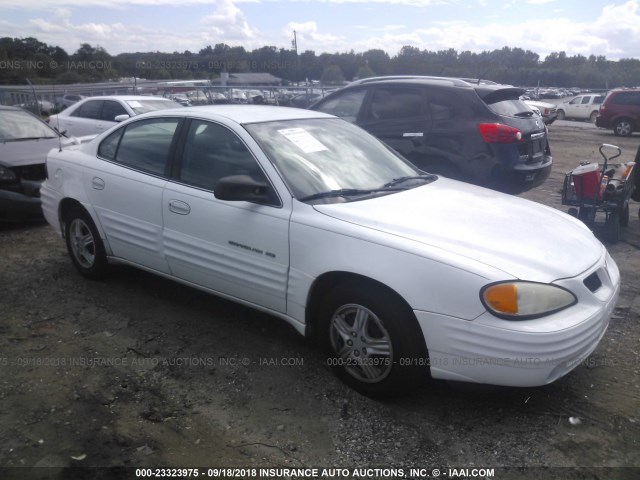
x=347, y=192
x=24, y=139
x=429, y=177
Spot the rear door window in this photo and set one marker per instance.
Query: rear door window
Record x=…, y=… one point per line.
x=396, y=103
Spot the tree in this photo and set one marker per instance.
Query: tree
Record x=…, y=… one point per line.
x=332, y=75
x=365, y=72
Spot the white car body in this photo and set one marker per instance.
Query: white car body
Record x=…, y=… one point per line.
x=582, y=107
x=74, y=121
x=437, y=246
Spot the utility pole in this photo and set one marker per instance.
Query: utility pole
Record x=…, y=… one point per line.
x=294, y=43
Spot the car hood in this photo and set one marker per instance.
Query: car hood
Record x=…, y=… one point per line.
x=33, y=152
x=524, y=239
x=27, y=152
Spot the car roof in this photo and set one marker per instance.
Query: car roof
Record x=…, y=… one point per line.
x=126, y=97
x=484, y=88
x=8, y=107
x=241, y=114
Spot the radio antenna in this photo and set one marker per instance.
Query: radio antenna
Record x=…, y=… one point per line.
x=55, y=104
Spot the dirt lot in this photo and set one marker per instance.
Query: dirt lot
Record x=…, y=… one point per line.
x=138, y=371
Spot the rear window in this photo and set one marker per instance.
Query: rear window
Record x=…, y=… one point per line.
x=626, y=98
x=509, y=108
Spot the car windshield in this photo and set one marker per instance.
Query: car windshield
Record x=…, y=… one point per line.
x=144, y=106
x=16, y=125
x=331, y=159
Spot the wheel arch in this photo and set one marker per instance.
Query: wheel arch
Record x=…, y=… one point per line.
x=329, y=280
x=67, y=205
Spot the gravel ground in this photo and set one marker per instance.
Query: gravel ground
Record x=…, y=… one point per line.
x=138, y=371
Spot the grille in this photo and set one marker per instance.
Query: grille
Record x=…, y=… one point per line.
x=31, y=172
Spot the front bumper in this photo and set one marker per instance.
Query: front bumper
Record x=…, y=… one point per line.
x=21, y=203
x=523, y=353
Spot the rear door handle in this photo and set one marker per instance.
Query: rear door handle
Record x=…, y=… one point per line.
x=179, y=207
x=97, y=183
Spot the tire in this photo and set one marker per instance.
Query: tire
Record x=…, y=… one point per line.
x=84, y=244
x=376, y=345
x=561, y=115
x=623, y=128
x=573, y=212
x=612, y=227
x=592, y=117
x=624, y=215
x=587, y=216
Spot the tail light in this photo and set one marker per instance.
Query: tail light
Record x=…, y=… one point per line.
x=499, y=133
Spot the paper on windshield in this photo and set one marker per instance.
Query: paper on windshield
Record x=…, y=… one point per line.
x=303, y=140
x=134, y=104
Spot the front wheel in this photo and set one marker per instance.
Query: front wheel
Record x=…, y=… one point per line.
x=376, y=344
x=84, y=245
x=561, y=114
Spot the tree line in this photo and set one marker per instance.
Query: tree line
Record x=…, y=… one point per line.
x=28, y=58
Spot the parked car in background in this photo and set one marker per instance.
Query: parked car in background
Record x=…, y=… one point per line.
x=546, y=110
x=480, y=133
x=620, y=111
x=39, y=107
x=582, y=107
x=181, y=99
x=94, y=115
x=24, y=143
x=398, y=273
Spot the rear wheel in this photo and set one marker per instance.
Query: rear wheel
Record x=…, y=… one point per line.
x=623, y=128
x=84, y=244
x=592, y=117
x=587, y=215
x=376, y=344
x=561, y=114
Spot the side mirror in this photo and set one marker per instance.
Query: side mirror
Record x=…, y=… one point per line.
x=121, y=118
x=243, y=188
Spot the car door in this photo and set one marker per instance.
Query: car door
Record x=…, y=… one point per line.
x=574, y=107
x=82, y=119
x=238, y=249
x=397, y=116
x=125, y=185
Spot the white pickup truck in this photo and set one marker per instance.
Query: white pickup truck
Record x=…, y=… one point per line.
x=582, y=107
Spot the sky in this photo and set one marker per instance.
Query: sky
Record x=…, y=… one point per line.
x=599, y=27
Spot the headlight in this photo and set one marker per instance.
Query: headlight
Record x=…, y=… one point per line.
x=7, y=176
x=525, y=300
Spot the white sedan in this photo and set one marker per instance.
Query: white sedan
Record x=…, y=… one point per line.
x=399, y=273
x=94, y=115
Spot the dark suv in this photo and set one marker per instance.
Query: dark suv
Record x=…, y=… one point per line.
x=480, y=133
x=620, y=111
